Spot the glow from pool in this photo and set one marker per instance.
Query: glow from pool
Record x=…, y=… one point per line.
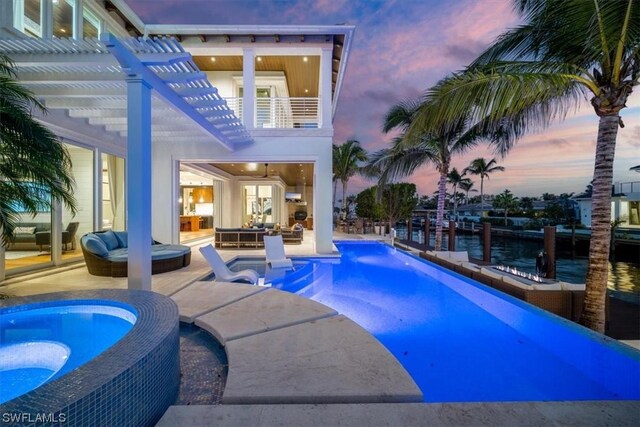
x=41, y=342
x=460, y=340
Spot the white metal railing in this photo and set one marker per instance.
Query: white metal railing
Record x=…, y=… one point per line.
x=282, y=112
x=236, y=105
x=628, y=187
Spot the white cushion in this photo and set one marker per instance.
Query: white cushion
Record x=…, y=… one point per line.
x=572, y=286
x=459, y=256
x=431, y=253
x=441, y=254
x=515, y=282
x=548, y=287
x=24, y=230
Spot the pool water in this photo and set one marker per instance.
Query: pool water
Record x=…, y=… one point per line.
x=41, y=343
x=460, y=340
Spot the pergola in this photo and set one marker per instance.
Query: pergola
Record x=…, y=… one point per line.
x=140, y=89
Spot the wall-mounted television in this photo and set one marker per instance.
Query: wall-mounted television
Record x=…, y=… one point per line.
x=291, y=196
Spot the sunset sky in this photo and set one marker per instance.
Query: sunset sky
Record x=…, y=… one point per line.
x=401, y=48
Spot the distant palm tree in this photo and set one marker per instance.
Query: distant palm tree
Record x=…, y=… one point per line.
x=347, y=159
x=467, y=186
x=35, y=168
x=456, y=178
x=482, y=168
x=507, y=202
x=543, y=68
x=421, y=145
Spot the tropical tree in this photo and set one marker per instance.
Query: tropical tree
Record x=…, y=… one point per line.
x=35, y=168
x=421, y=144
x=347, y=159
x=456, y=178
x=536, y=72
x=467, y=186
x=507, y=202
x=482, y=168
x=398, y=201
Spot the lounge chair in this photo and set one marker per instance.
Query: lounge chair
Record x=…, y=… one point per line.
x=274, y=247
x=222, y=272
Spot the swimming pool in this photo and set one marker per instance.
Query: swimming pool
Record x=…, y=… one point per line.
x=39, y=343
x=460, y=340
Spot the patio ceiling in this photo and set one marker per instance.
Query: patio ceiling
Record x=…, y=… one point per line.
x=87, y=79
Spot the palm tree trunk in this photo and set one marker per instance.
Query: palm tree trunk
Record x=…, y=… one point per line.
x=344, y=199
x=481, y=193
x=455, y=203
x=442, y=191
x=335, y=189
x=593, y=315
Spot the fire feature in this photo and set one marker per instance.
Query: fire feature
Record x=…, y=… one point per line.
x=514, y=271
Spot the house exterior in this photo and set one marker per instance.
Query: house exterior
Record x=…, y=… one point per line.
x=182, y=129
x=625, y=205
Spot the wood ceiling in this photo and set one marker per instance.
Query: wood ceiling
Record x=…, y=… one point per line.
x=291, y=173
x=300, y=75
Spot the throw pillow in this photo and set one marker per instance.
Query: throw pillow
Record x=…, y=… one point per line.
x=122, y=238
x=95, y=245
x=24, y=230
x=109, y=238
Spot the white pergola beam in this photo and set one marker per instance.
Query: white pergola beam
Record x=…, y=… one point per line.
x=128, y=61
x=23, y=60
x=81, y=92
x=70, y=78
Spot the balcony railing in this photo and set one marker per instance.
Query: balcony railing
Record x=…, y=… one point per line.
x=628, y=187
x=281, y=112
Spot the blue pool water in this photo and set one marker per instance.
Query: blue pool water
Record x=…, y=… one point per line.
x=42, y=342
x=462, y=341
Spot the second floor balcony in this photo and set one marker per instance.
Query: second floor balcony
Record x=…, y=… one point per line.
x=281, y=112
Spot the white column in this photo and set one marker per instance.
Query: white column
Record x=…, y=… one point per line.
x=249, y=88
x=139, y=182
x=56, y=232
x=97, y=189
x=46, y=19
x=77, y=27
x=6, y=15
x=322, y=214
x=326, y=100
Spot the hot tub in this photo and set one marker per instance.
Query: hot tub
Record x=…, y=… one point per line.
x=108, y=357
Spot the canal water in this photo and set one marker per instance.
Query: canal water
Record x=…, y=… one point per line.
x=624, y=276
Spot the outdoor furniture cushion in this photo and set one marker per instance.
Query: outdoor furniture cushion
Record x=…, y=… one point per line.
x=95, y=245
x=123, y=240
x=109, y=238
x=24, y=230
x=572, y=286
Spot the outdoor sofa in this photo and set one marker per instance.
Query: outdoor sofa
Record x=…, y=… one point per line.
x=563, y=299
x=254, y=237
x=106, y=254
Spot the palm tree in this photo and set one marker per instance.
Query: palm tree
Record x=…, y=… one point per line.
x=467, y=186
x=543, y=68
x=481, y=167
x=346, y=163
x=507, y=202
x=420, y=145
x=455, y=178
x=35, y=168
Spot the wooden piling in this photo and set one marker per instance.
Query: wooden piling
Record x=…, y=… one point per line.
x=486, y=242
x=550, y=249
x=452, y=236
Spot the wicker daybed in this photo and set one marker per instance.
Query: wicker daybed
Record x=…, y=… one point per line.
x=105, y=254
x=558, y=299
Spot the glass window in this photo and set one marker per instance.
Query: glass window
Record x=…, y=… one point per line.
x=90, y=24
x=26, y=17
x=63, y=18
x=74, y=226
x=113, y=193
x=634, y=213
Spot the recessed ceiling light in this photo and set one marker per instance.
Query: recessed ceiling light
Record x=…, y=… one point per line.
x=306, y=91
x=305, y=59
x=62, y=30
x=213, y=59
x=259, y=58
x=232, y=164
x=300, y=164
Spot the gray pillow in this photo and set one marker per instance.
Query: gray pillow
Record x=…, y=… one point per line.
x=95, y=245
x=109, y=238
x=122, y=238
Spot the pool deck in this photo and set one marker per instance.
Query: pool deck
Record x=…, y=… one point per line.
x=293, y=361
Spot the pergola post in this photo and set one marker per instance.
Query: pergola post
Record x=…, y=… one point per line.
x=326, y=69
x=249, y=88
x=139, y=182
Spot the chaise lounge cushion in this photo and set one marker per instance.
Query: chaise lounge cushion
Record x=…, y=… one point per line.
x=110, y=240
x=95, y=245
x=123, y=239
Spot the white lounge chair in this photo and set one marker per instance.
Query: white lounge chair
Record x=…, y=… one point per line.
x=222, y=272
x=274, y=247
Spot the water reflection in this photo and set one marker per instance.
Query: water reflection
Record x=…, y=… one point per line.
x=623, y=276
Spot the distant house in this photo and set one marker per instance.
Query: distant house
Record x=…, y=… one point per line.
x=625, y=204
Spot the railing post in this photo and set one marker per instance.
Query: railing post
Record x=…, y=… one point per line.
x=486, y=242
x=452, y=236
x=550, y=249
x=410, y=230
